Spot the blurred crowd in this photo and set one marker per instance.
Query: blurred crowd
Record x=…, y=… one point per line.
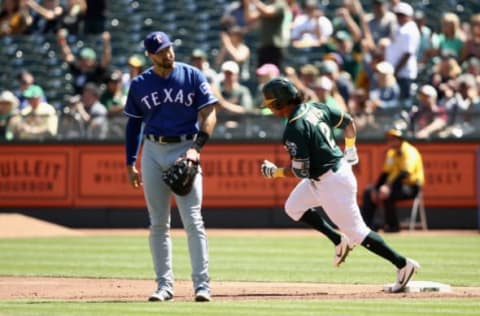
x=382, y=61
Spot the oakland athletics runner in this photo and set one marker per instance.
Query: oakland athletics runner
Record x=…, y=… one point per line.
x=326, y=176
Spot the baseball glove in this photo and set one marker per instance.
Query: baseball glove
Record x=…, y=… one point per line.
x=181, y=175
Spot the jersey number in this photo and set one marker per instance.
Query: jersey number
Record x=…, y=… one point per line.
x=327, y=132
x=314, y=117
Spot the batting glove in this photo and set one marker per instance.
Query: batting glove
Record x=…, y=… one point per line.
x=268, y=169
x=351, y=155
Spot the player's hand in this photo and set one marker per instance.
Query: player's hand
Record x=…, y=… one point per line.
x=192, y=154
x=351, y=155
x=268, y=169
x=134, y=177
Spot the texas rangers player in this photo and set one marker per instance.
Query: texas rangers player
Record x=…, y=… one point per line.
x=177, y=109
x=326, y=175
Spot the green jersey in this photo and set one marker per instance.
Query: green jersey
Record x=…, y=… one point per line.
x=309, y=138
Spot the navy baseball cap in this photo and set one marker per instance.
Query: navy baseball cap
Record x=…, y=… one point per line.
x=156, y=41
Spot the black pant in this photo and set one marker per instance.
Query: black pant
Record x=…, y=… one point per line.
x=271, y=55
x=405, y=85
x=399, y=192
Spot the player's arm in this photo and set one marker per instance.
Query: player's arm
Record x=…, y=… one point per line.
x=299, y=151
x=344, y=121
x=207, y=118
x=132, y=145
x=299, y=166
x=133, y=134
x=270, y=170
x=350, y=133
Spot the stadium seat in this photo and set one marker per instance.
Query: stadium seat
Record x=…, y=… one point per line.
x=70, y=127
x=116, y=127
x=190, y=23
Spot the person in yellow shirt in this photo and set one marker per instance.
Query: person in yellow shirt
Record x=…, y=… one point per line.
x=401, y=179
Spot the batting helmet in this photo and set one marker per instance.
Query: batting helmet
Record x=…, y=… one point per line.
x=279, y=92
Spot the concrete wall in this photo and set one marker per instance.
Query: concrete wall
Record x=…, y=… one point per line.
x=437, y=218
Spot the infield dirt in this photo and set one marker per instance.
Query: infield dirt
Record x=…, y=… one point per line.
x=12, y=288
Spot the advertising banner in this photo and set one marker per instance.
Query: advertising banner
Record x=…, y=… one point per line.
x=93, y=175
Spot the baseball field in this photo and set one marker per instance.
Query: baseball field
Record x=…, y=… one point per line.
x=50, y=270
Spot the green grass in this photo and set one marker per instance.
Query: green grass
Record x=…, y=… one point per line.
x=449, y=259
x=402, y=307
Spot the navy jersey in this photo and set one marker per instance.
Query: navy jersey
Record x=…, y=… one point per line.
x=169, y=106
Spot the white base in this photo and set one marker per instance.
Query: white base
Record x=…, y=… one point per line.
x=421, y=286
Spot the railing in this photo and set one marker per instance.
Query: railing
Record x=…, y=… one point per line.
x=369, y=127
x=258, y=128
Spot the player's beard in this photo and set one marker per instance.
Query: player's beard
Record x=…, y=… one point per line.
x=164, y=64
x=167, y=64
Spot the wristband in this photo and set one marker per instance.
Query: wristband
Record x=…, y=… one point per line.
x=200, y=140
x=279, y=173
x=349, y=142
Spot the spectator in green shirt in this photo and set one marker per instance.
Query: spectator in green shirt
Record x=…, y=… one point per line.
x=450, y=41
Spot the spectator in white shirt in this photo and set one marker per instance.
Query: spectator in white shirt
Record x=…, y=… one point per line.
x=402, y=52
x=38, y=120
x=311, y=28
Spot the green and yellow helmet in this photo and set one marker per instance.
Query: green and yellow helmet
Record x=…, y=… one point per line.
x=279, y=92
